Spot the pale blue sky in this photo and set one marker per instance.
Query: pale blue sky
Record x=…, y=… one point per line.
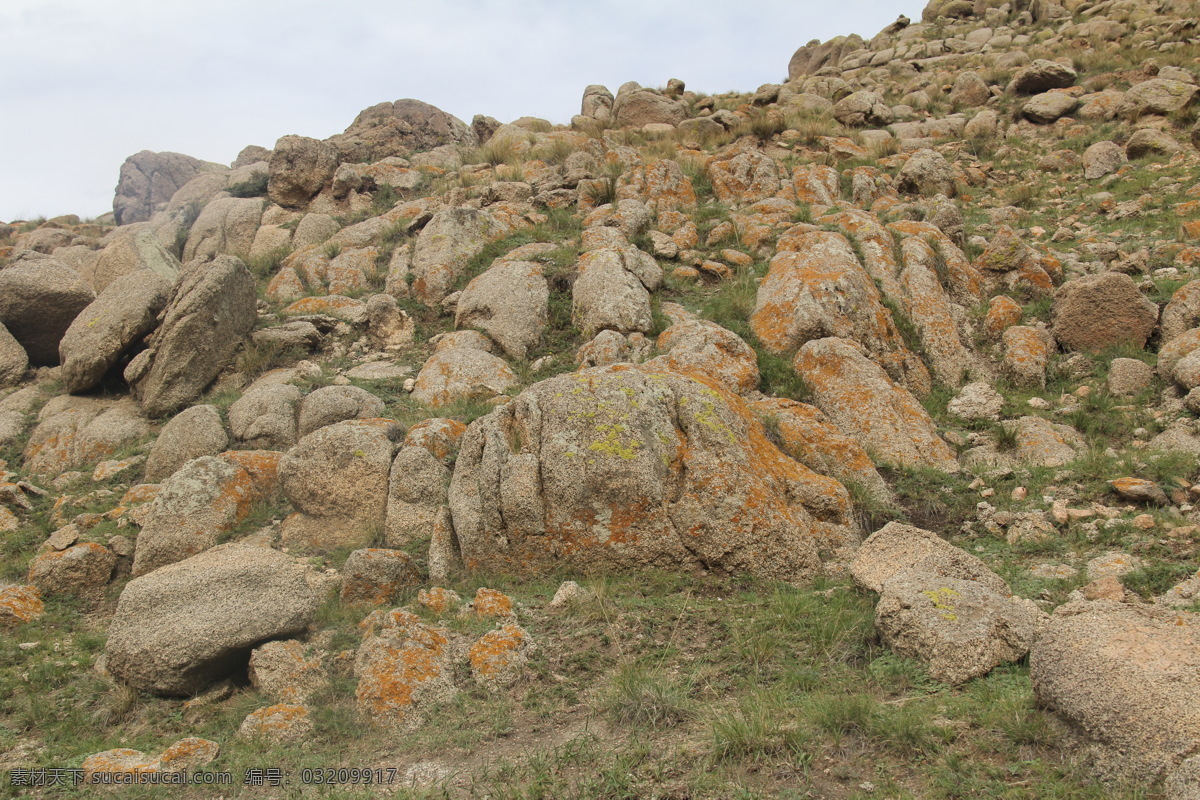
x=90, y=82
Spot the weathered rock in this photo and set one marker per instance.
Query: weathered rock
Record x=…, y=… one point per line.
x=927, y=172
x=609, y=347
x=280, y=723
x=1095, y=311
x=864, y=402
x=1125, y=674
x=404, y=671
x=377, y=575
x=287, y=671
x=19, y=604
x=389, y=327
x=1158, y=96
x=1041, y=76
x=199, y=503
x=1026, y=353
x=39, y=299
x=1049, y=106
x=977, y=401
x=597, y=102
x=212, y=308
x=705, y=348
x=265, y=417
x=76, y=432
x=195, y=432
x=1148, y=142
x=417, y=497
x=450, y=239
x=188, y=624
x=81, y=570
x=743, y=177
x=863, y=109
x=897, y=548
x=148, y=180
x=300, y=167
x=462, y=367
x=1101, y=159
x=621, y=467
x=606, y=295
x=1129, y=376
x=336, y=479
x=510, y=303
x=1139, y=490
x=332, y=404
x=398, y=129
x=1043, y=443
x=961, y=629
x=131, y=249
x=498, y=659
x=226, y=226
x=806, y=434
x=635, y=107
x=104, y=331
x=14, y=361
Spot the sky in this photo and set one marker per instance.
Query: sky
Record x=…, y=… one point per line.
x=90, y=82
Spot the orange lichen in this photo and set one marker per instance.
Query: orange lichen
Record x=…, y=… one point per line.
x=438, y=600
x=491, y=603
x=498, y=657
x=19, y=604
x=261, y=465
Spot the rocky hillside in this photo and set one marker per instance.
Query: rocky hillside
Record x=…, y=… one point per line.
x=835, y=439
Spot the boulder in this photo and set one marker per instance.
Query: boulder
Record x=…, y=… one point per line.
x=1148, y=142
x=1129, y=376
x=897, y=548
x=863, y=109
x=1043, y=443
x=1101, y=159
x=970, y=90
x=510, y=303
x=1126, y=675
x=265, y=417
x=81, y=570
x=193, y=510
x=609, y=347
x=960, y=629
x=628, y=467
x=462, y=366
x=186, y=625
x=417, y=497
x=103, y=332
x=499, y=658
x=1158, y=96
x=1047, y=107
x=336, y=478
x=131, y=249
x=39, y=299
x=1026, y=353
x=705, y=348
x=977, y=401
x=400, y=128
x=299, y=168
x=635, y=107
x=1042, y=76
x=190, y=434
x=743, y=177
x=14, y=361
x=287, y=671
x=597, y=103
x=447, y=242
x=226, y=226
x=377, y=575
x=608, y=294
x=332, y=404
x=212, y=309
x=77, y=432
x=1095, y=311
x=806, y=434
x=864, y=402
x=927, y=172
x=404, y=670
x=148, y=180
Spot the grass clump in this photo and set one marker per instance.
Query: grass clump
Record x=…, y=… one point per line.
x=646, y=697
x=254, y=186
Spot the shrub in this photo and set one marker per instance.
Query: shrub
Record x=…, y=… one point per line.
x=254, y=186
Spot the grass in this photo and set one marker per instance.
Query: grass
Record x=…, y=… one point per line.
x=254, y=186
x=645, y=697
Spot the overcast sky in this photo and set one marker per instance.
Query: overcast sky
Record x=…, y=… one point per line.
x=90, y=82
